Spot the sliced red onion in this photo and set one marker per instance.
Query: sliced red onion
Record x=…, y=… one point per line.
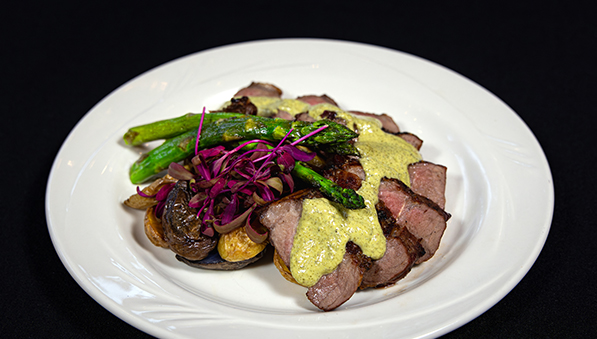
x=202, y=166
x=285, y=161
x=219, y=166
x=275, y=183
x=265, y=193
x=287, y=177
x=198, y=200
x=164, y=191
x=159, y=209
x=247, y=190
x=217, y=188
x=212, y=152
x=298, y=154
x=203, y=184
x=235, y=223
x=255, y=230
x=208, y=231
x=179, y=172
x=258, y=199
x=143, y=194
x=256, y=154
x=230, y=210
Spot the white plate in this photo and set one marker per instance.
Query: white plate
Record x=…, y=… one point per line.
x=499, y=192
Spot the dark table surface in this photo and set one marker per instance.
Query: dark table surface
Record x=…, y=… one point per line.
x=59, y=60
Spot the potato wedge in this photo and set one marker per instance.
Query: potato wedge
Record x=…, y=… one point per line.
x=139, y=202
x=284, y=270
x=237, y=246
x=153, y=228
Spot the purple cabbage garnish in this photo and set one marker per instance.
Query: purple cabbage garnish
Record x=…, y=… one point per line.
x=228, y=186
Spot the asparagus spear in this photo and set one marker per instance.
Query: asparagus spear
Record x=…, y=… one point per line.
x=234, y=129
x=341, y=148
x=345, y=196
x=166, y=129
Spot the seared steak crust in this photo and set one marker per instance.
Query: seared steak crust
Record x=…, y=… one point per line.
x=304, y=117
x=343, y=178
x=317, y=99
x=241, y=105
x=335, y=288
x=402, y=251
x=412, y=139
x=421, y=216
x=345, y=171
x=429, y=180
x=259, y=89
x=387, y=122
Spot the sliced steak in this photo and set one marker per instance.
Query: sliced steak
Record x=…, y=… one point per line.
x=317, y=99
x=304, y=117
x=333, y=116
x=402, y=251
x=260, y=89
x=182, y=228
x=411, y=139
x=345, y=171
x=334, y=289
x=422, y=217
x=241, y=105
x=387, y=122
x=284, y=115
x=281, y=218
x=429, y=180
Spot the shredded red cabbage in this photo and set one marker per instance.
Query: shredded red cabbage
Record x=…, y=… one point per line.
x=227, y=186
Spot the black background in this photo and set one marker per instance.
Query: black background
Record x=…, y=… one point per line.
x=60, y=59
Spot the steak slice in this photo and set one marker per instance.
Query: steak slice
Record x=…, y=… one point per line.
x=317, y=99
x=334, y=289
x=343, y=177
x=422, y=217
x=333, y=116
x=402, y=251
x=304, y=117
x=345, y=171
x=241, y=105
x=281, y=218
x=259, y=89
x=387, y=122
x=412, y=139
x=429, y=180
x=182, y=227
x=284, y=115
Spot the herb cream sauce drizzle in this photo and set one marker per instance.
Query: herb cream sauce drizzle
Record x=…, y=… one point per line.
x=325, y=227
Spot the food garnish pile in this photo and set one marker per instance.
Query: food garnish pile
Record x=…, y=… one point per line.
x=343, y=198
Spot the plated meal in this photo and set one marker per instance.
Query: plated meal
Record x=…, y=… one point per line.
x=343, y=198
x=499, y=190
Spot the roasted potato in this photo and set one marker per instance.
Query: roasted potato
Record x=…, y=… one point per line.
x=140, y=202
x=237, y=246
x=153, y=228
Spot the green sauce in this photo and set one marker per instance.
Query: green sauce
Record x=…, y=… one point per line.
x=267, y=106
x=325, y=227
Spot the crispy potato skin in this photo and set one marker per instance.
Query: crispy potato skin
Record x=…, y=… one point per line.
x=237, y=246
x=284, y=270
x=153, y=228
x=139, y=202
